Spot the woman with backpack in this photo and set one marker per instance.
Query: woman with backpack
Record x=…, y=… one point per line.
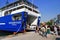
x=43, y=29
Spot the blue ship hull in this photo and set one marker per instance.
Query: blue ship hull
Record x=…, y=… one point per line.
x=7, y=24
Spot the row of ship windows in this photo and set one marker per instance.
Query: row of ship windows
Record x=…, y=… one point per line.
x=9, y=12
x=16, y=4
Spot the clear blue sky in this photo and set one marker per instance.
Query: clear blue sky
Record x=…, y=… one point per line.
x=48, y=8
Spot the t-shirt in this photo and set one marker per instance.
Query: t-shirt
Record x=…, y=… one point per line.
x=48, y=30
x=55, y=29
x=43, y=29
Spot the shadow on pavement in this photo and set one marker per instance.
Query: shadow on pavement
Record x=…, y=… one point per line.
x=4, y=33
x=57, y=38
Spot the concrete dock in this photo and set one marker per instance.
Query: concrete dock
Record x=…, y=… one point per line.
x=29, y=36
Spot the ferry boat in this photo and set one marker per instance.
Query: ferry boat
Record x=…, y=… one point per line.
x=15, y=16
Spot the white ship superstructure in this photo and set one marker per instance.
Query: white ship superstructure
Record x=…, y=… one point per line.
x=19, y=6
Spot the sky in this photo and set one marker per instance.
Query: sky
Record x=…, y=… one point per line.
x=49, y=9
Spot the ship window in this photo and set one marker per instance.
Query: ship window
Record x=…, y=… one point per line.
x=15, y=4
x=10, y=11
x=31, y=9
x=35, y=11
x=28, y=8
x=14, y=9
x=18, y=3
x=20, y=7
x=7, y=13
x=16, y=17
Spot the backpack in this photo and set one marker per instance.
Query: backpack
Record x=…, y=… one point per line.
x=43, y=29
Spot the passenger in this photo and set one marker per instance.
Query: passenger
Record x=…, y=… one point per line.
x=52, y=30
x=43, y=29
x=55, y=30
x=48, y=31
x=36, y=29
x=40, y=31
